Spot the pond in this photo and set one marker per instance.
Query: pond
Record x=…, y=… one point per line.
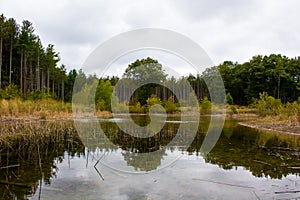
x=57, y=162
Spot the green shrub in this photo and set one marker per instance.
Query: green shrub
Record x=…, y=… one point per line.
x=100, y=105
x=193, y=99
x=206, y=105
x=292, y=109
x=268, y=105
x=233, y=109
x=152, y=101
x=170, y=105
x=229, y=99
x=117, y=106
x=137, y=108
x=10, y=92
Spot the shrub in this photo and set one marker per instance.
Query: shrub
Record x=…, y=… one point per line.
x=10, y=92
x=268, y=105
x=117, y=106
x=137, y=108
x=170, y=105
x=193, y=99
x=292, y=109
x=206, y=105
x=229, y=99
x=233, y=109
x=152, y=101
x=100, y=105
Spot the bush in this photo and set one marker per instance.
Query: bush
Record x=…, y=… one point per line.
x=10, y=92
x=292, y=109
x=229, y=99
x=170, y=105
x=205, y=107
x=193, y=101
x=233, y=109
x=100, y=105
x=137, y=108
x=152, y=101
x=117, y=106
x=268, y=105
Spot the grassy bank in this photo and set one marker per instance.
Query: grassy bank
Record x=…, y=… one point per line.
x=41, y=109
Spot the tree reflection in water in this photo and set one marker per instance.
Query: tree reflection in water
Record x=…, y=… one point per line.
x=26, y=159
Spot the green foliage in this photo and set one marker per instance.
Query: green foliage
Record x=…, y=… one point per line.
x=13, y=92
x=10, y=92
x=275, y=74
x=117, y=106
x=154, y=105
x=298, y=100
x=193, y=99
x=292, y=109
x=229, y=99
x=233, y=109
x=33, y=65
x=205, y=106
x=137, y=108
x=144, y=71
x=103, y=95
x=170, y=105
x=152, y=101
x=268, y=105
x=101, y=105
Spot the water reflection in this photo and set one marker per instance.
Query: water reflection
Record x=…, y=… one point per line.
x=272, y=155
x=27, y=161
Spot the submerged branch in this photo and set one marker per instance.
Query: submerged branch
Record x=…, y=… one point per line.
x=221, y=183
x=10, y=166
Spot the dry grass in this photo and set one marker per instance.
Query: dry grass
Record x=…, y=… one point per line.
x=38, y=109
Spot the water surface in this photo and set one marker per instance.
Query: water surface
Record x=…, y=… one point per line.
x=244, y=164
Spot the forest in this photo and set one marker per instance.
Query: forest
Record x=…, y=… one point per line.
x=29, y=70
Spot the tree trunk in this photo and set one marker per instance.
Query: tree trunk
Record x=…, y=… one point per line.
x=10, y=59
x=43, y=79
x=63, y=89
x=31, y=75
x=25, y=72
x=278, y=87
x=21, y=71
x=38, y=85
x=48, y=80
x=53, y=86
x=1, y=39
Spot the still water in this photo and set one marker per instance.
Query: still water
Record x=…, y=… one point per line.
x=244, y=163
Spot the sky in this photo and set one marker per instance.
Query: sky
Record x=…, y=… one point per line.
x=227, y=30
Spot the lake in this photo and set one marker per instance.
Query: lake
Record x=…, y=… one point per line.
x=112, y=164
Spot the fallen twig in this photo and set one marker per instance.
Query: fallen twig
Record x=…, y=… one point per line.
x=10, y=166
x=293, y=167
x=262, y=162
x=256, y=195
x=97, y=169
x=290, y=191
x=16, y=184
x=221, y=183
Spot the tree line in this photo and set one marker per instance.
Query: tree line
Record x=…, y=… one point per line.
x=28, y=65
x=275, y=74
x=31, y=68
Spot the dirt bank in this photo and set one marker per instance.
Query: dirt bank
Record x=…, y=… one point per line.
x=281, y=127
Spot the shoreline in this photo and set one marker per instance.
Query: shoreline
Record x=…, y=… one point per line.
x=278, y=127
x=246, y=120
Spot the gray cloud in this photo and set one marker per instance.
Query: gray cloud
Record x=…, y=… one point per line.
x=232, y=30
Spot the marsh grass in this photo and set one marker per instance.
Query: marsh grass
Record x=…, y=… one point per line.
x=40, y=109
x=17, y=108
x=28, y=151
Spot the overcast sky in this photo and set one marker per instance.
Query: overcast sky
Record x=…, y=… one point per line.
x=227, y=30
